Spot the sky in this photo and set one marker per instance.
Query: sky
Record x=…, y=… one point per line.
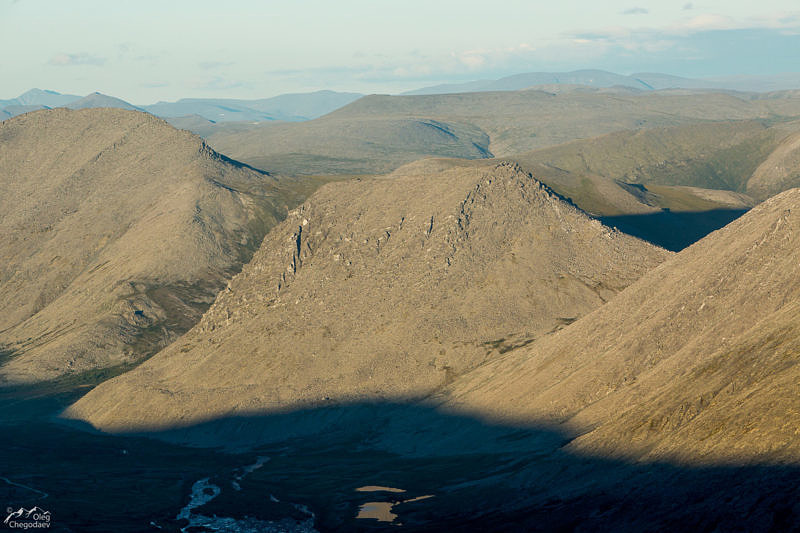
x=147, y=51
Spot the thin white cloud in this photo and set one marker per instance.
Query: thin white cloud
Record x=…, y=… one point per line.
x=488, y=57
x=68, y=60
x=709, y=21
x=714, y=21
x=636, y=11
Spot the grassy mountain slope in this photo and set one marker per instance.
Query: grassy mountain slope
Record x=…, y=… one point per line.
x=780, y=170
x=520, y=121
x=379, y=133
x=749, y=157
x=120, y=231
x=358, y=146
x=695, y=362
x=720, y=155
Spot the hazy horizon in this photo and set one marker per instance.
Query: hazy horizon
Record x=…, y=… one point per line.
x=156, y=51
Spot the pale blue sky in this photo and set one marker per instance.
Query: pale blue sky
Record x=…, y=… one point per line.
x=146, y=51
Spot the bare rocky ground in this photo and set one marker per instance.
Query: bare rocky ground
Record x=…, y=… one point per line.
x=697, y=362
x=386, y=288
x=119, y=231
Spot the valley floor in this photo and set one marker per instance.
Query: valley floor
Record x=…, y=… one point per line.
x=94, y=482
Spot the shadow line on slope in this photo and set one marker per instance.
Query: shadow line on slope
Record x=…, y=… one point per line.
x=491, y=476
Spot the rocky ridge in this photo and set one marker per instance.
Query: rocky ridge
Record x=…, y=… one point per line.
x=381, y=289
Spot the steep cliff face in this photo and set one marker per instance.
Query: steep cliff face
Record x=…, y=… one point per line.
x=387, y=288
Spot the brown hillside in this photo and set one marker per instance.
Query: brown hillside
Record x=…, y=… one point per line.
x=386, y=288
x=363, y=145
x=119, y=231
x=717, y=155
x=779, y=171
x=519, y=121
x=378, y=133
x=697, y=361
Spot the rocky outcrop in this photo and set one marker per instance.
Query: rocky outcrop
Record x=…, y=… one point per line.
x=382, y=289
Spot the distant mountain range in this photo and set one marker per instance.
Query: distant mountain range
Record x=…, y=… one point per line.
x=192, y=113
x=96, y=100
x=645, y=81
x=285, y=107
x=38, y=97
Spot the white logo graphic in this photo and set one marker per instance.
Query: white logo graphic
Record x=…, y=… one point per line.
x=34, y=518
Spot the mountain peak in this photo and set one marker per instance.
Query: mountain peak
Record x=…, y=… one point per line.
x=149, y=212
x=494, y=259
x=45, y=97
x=97, y=99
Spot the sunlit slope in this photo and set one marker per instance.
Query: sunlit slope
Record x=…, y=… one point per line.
x=381, y=289
x=119, y=231
x=781, y=169
x=696, y=361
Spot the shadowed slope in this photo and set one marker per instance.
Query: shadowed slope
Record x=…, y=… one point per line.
x=697, y=360
x=382, y=288
x=120, y=231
